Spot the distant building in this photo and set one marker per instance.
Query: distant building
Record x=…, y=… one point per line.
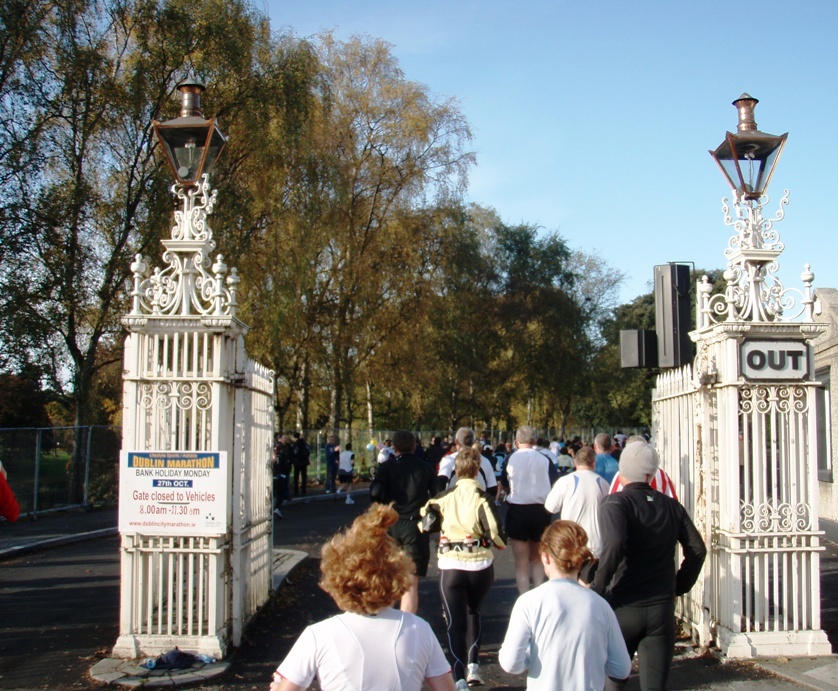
x=826, y=372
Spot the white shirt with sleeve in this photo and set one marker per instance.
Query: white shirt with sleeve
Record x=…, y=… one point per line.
x=550, y=454
x=389, y=651
x=564, y=636
x=528, y=473
x=385, y=454
x=486, y=477
x=346, y=461
x=576, y=497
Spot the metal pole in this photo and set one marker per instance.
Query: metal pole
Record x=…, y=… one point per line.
x=37, y=470
x=87, y=467
x=319, y=479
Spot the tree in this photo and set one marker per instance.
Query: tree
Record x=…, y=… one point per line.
x=22, y=403
x=619, y=396
x=542, y=324
x=87, y=191
x=377, y=149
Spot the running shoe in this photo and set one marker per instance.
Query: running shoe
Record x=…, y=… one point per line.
x=473, y=677
x=350, y=500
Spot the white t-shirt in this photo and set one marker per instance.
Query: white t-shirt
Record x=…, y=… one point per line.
x=486, y=478
x=564, y=636
x=346, y=461
x=385, y=454
x=528, y=473
x=575, y=497
x=390, y=651
x=549, y=453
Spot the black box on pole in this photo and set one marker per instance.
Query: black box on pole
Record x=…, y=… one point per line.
x=672, y=315
x=638, y=348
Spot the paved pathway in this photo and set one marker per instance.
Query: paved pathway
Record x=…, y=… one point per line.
x=298, y=536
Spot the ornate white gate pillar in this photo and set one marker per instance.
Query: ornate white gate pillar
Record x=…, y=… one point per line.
x=195, y=505
x=754, y=373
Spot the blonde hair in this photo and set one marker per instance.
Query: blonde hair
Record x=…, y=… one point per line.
x=363, y=569
x=567, y=543
x=467, y=463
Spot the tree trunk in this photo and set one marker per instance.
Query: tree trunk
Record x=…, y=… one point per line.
x=370, y=417
x=336, y=395
x=303, y=398
x=82, y=391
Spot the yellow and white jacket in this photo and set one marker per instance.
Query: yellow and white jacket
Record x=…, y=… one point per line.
x=470, y=525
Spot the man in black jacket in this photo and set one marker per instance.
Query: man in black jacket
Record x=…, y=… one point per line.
x=640, y=528
x=300, y=457
x=408, y=482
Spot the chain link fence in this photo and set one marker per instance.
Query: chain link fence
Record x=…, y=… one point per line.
x=62, y=467
x=366, y=445
x=66, y=467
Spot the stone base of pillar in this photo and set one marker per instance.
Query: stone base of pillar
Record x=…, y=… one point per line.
x=130, y=646
x=739, y=645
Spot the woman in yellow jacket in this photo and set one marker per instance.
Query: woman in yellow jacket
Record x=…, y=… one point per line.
x=470, y=527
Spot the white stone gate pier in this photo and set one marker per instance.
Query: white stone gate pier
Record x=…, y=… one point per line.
x=736, y=430
x=195, y=504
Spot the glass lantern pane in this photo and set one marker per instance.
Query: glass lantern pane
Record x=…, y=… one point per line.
x=731, y=171
x=186, y=146
x=213, y=150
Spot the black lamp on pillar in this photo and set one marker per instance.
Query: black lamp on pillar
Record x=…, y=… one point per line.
x=191, y=143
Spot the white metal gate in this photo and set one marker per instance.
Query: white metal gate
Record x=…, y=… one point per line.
x=740, y=444
x=189, y=386
x=676, y=414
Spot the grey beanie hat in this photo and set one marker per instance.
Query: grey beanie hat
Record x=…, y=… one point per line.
x=638, y=460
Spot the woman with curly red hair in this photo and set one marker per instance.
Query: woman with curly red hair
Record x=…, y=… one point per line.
x=562, y=634
x=369, y=646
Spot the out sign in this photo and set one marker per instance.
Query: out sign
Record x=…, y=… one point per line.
x=774, y=360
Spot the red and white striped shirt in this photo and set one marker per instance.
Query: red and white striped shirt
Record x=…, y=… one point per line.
x=661, y=482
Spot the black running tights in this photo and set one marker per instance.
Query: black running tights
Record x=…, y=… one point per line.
x=461, y=593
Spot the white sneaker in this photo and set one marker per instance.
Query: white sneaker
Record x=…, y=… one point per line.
x=350, y=500
x=461, y=685
x=278, y=513
x=338, y=490
x=473, y=676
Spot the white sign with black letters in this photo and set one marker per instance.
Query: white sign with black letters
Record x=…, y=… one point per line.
x=173, y=492
x=774, y=360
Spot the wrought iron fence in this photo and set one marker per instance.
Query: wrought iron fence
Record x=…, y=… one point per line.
x=62, y=467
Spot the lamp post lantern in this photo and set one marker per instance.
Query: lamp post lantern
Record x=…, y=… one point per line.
x=195, y=505
x=748, y=157
x=191, y=143
x=737, y=429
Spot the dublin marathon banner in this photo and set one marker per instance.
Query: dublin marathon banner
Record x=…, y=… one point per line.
x=173, y=492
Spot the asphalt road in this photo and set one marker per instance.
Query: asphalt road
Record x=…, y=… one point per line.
x=60, y=611
x=60, y=614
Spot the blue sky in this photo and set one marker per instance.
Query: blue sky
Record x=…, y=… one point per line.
x=593, y=117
